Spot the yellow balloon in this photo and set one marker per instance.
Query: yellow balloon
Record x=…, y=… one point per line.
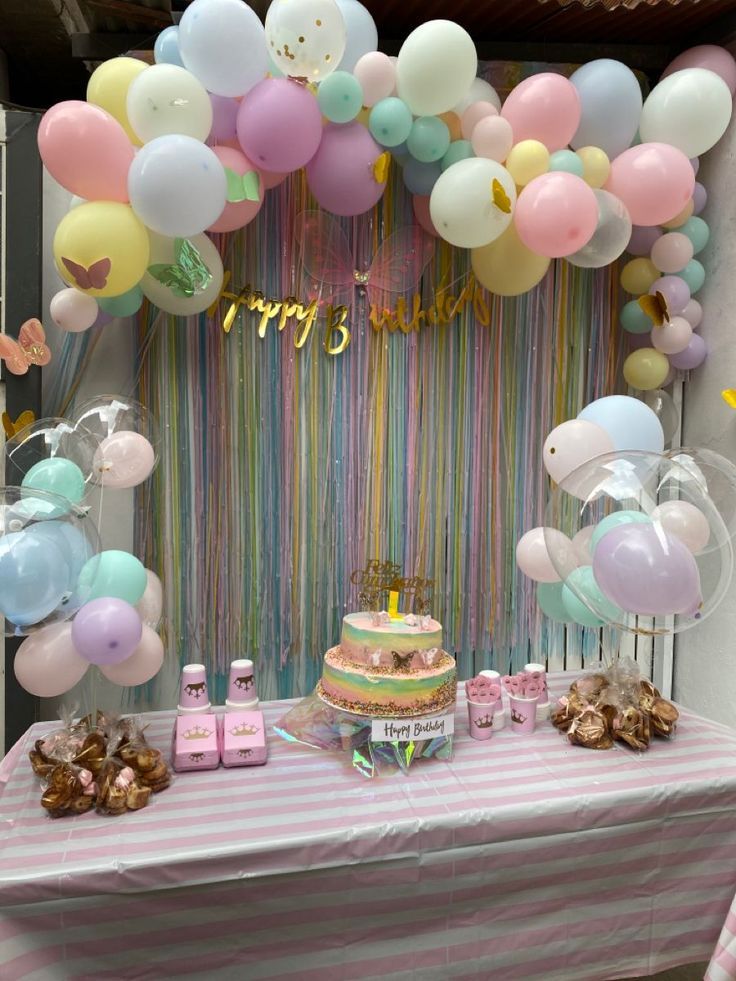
x=638, y=275
x=507, y=267
x=108, y=88
x=646, y=369
x=596, y=165
x=682, y=216
x=101, y=248
x=527, y=160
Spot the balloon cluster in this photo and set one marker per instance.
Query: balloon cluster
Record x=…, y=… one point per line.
x=632, y=532
x=77, y=604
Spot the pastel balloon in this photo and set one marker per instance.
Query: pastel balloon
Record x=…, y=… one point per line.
x=376, y=75
x=642, y=239
x=692, y=357
x=610, y=106
x=200, y=259
x=684, y=521
x=429, y=139
x=71, y=541
x=581, y=544
x=114, y=573
x=124, y=459
x=390, y=122
x=611, y=235
x=57, y=476
x=682, y=216
x=142, y=665
x=340, y=97
x=630, y=423
x=644, y=570
x=177, y=186
x=697, y=231
x=572, y=444
x=33, y=577
x=544, y=107
x=654, y=181
x=168, y=99
x=436, y=67
x=533, y=553
x=473, y=115
x=556, y=214
x=124, y=305
x=306, y=39
x=420, y=178
x=638, y=275
x=492, y=137
x=108, y=88
x=166, y=49
x=663, y=406
x=86, y=150
x=47, y=663
x=224, y=117
x=361, y=35
x=611, y=521
x=568, y=161
x=223, y=43
x=633, y=319
x=675, y=291
x=596, y=165
x=462, y=204
x=480, y=91
x=700, y=198
x=672, y=252
x=507, y=267
x=279, y=125
x=101, y=248
x=106, y=631
x=73, y=310
x=672, y=337
x=527, y=160
x=646, y=369
x=150, y=605
x=549, y=598
x=584, y=602
x=240, y=208
x=420, y=205
x=458, y=150
x=341, y=174
x=689, y=109
x=693, y=313
x=709, y=56
x=694, y=275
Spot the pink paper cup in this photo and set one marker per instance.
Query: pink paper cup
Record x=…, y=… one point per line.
x=241, y=689
x=480, y=719
x=495, y=679
x=523, y=715
x=193, y=694
x=539, y=669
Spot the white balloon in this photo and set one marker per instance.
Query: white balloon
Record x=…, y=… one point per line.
x=306, y=39
x=163, y=252
x=223, y=43
x=362, y=35
x=436, y=67
x=610, y=237
x=150, y=605
x=690, y=110
x=480, y=91
x=177, y=186
x=462, y=206
x=168, y=99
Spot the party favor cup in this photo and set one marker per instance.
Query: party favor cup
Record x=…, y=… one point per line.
x=495, y=679
x=539, y=669
x=193, y=695
x=241, y=692
x=480, y=719
x=523, y=713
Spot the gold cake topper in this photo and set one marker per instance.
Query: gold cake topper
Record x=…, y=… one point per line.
x=383, y=580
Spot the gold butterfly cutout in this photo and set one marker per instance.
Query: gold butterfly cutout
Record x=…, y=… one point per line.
x=655, y=307
x=500, y=198
x=729, y=397
x=11, y=428
x=381, y=168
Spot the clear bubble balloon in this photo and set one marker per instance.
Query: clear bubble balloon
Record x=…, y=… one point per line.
x=52, y=455
x=663, y=406
x=611, y=235
x=306, y=39
x=127, y=439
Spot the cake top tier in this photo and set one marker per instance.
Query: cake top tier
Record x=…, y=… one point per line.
x=362, y=637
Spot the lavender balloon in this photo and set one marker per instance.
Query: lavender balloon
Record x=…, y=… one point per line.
x=106, y=631
x=224, y=116
x=693, y=355
x=340, y=175
x=674, y=289
x=642, y=239
x=700, y=198
x=279, y=125
x=644, y=570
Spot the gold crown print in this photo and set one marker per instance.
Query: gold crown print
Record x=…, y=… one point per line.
x=244, y=729
x=517, y=717
x=484, y=722
x=198, y=732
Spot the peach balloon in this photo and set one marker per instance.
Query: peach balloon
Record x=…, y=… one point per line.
x=377, y=76
x=142, y=665
x=533, y=554
x=673, y=337
x=237, y=214
x=492, y=138
x=47, y=663
x=124, y=459
x=452, y=122
x=712, y=57
x=473, y=115
x=654, y=181
x=672, y=252
x=684, y=521
x=681, y=217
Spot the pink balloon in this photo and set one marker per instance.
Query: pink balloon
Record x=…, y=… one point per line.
x=533, y=554
x=473, y=115
x=569, y=446
x=142, y=665
x=581, y=545
x=377, y=76
x=73, y=311
x=492, y=138
x=279, y=125
x=709, y=56
x=654, y=180
x=124, y=459
x=47, y=663
x=422, y=215
x=672, y=252
x=150, y=605
x=340, y=175
x=544, y=107
x=556, y=214
x=86, y=150
x=673, y=337
x=684, y=521
x=237, y=214
x=224, y=116
x=693, y=313
x=272, y=180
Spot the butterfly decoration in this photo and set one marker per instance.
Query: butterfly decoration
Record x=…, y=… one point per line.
x=402, y=661
x=729, y=397
x=655, y=307
x=499, y=196
x=26, y=418
x=381, y=619
x=187, y=275
x=381, y=168
x=430, y=656
x=92, y=277
x=329, y=266
x=243, y=187
x=376, y=657
x=30, y=348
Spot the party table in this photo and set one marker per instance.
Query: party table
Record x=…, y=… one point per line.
x=524, y=857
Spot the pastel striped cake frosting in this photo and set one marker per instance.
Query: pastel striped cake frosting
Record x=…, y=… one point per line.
x=361, y=638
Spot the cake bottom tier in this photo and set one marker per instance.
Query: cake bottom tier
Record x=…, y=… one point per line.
x=384, y=691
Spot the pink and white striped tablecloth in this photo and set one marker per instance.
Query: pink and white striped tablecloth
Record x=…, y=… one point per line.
x=522, y=858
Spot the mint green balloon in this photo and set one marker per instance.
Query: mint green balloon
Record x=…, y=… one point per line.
x=579, y=585
x=566, y=161
x=634, y=320
x=113, y=573
x=340, y=97
x=124, y=305
x=429, y=139
x=613, y=521
x=549, y=598
x=390, y=121
x=58, y=476
x=697, y=231
x=693, y=274
x=458, y=150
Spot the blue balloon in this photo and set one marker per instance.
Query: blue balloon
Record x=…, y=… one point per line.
x=581, y=589
x=429, y=139
x=34, y=577
x=610, y=106
x=124, y=305
x=419, y=177
x=630, y=423
x=390, y=122
x=697, y=231
x=166, y=48
x=71, y=542
x=693, y=274
x=56, y=476
x=634, y=320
